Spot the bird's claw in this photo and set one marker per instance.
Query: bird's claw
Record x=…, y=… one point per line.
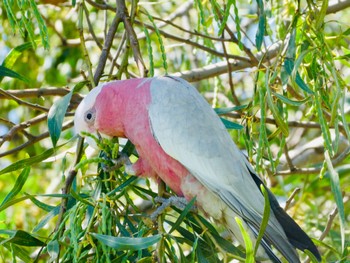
x=178, y=202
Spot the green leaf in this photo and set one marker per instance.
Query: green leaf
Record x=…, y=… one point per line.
x=41, y=23
x=321, y=15
x=22, y=178
x=288, y=101
x=21, y=238
x=231, y=125
x=230, y=109
x=56, y=115
x=289, y=68
x=127, y=243
x=228, y=246
x=259, y=37
x=265, y=219
x=275, y=112
x=12, y=56
x=183, y=215
x=247, y=241
x=54, y=212
x=6, y=72
x=53, y=248
x=28, y=161
x=337, y=192
x=40, y=204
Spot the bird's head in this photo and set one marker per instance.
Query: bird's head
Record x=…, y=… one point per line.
x=85, y=115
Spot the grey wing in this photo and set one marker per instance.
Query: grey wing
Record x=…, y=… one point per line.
x=190, y=131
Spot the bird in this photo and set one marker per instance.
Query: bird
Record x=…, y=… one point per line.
x=181, y=140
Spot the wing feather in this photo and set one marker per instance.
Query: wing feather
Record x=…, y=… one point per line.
x=189, y=130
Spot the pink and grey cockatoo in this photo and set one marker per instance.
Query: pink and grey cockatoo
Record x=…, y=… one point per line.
x=180, y=139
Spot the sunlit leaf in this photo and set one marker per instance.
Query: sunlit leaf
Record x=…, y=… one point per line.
x=22, y=178
x=127, y=243
x=27, y=162
x=6, y=72
x=56, y=115
x=21, y=238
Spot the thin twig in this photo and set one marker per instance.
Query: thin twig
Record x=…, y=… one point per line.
x=34, y=140
x=22, y=102
x=20, y=127
x=106, y=48
x=290, y=199
x=123, y=14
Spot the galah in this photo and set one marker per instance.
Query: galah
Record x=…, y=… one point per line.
x=180, y=139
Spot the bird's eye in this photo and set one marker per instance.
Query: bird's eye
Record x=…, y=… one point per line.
x=90, y=116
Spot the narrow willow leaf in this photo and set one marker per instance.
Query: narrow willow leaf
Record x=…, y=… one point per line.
x=18, y=252
x=201, y=11
x=238, y=24
x=259, y=37
x=42, y=26
x=300, y=82
x=231, y=125
x=6, y=72
x=227, y=110
x=290, y=102
x=290, y=69
x=260, y=33
x=160, y=40
x=265, y=219
x=311, y=256
x=183, y=215
x=54, y=212
x=200, y=256
x=56, y=115
x=12, y=56
x=28, y=25
x=53, y=248
x=225, y=17
x=127, y=243
x=324, y=127
x=281, y=124
x=27, y=162
x=123, y=185
x=336, y=189
x=150, y=51
x=247, y=241
x=20, y=237
x=228, y=246
x=40, y=204
x=22, y=178
x=321, y=15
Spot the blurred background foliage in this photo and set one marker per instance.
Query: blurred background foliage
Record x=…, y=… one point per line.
x=284, y=65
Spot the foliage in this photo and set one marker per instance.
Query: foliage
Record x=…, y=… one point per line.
x=276, y=70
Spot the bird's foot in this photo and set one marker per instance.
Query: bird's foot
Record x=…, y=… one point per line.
x=178, y=202
x=122, y=160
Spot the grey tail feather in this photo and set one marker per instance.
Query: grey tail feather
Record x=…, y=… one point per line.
x=296, y=236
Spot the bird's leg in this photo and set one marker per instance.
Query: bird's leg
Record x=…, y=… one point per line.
x=178, y=202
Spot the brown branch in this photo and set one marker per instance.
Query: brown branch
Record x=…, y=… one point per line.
x=106, y=48
x=21, y=126
x=219, y=68
x=313, y=170
x=195, y=44
x=338, y=6
x=101, y=6
x=35, y=139
x=290, y=199
x=229, y=70
x=22, y=102
x=122, y=14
